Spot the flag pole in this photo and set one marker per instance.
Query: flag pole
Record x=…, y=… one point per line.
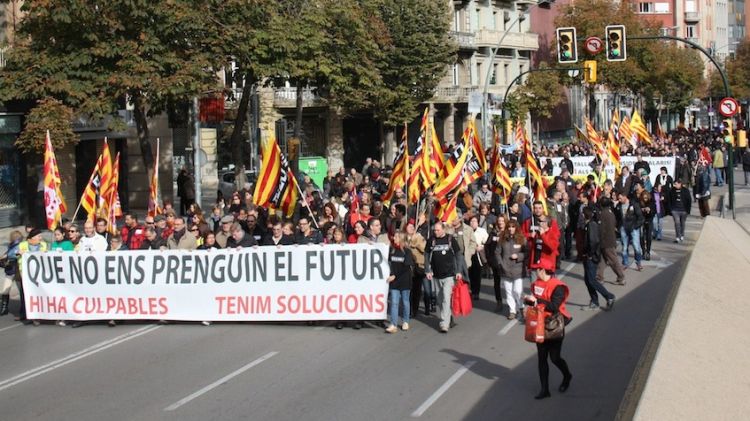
x=307, y=205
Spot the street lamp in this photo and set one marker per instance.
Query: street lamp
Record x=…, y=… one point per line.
x=544, y=4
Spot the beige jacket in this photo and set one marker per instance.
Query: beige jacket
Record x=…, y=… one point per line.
x=417, y=245
x=187, y=242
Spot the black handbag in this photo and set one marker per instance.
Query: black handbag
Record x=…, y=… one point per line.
x=554, y=327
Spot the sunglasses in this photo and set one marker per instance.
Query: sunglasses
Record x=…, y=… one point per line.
x=72, y=231
x=150, y=223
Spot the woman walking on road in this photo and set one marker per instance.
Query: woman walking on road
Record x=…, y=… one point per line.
x=402, y=265
x=511, y=255
x=550, y=294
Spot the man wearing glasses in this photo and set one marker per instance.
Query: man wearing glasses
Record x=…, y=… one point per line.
x=101, y=229
x=74, y=235
x=181, y=238
x=308, y=235
x=277, y=237
x=225, y=232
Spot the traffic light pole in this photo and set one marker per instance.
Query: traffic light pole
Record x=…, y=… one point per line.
x=521, y=75
x=727, y=94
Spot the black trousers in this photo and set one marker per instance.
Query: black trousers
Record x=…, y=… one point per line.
x=496, y=284
x=416, y=292
x=475, y=275
x=647, y=236
x=552, y=350
x=22, y=308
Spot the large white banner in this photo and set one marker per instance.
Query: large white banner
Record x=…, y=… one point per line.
x=582, y=165
x=257, y=284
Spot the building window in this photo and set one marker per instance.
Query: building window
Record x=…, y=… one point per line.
x=690, y=32
x=455, y=74
x=661, y=7
x=506, y=73
x=646, y=8
x=690, y=6
x=493, y=77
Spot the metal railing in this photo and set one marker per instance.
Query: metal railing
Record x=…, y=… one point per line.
x=287, y=97
x=692, y=17
x=464, y=39
x=453, y=93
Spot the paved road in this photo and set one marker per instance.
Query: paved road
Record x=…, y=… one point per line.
x=292, y=371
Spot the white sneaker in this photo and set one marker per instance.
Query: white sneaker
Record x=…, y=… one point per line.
x=404, y=326
x=206, y=323
x=391, y=329
x=61, y=323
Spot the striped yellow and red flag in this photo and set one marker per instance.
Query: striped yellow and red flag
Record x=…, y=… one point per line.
x=115, y=210
x=452, y=183
x=153, y=194
x=501, y=184
x=536, y=183
x=447, y=212
x=287, y=190
x=54, y=204
x=477, y=165
x=595, y=139
x=400, y=173
x=613, y=144
x=436, y=159
x=520, y=134
x=414, y=189
x=105, y=181
x=636, y=124
x=660, y=133
x=425, y=176
x=626, y=133
x=270, y=169
x=91, y=193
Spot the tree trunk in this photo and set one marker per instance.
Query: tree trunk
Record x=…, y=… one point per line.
x=141, y=124
x=237, y=141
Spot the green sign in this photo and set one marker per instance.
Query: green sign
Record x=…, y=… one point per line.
x=316, y=167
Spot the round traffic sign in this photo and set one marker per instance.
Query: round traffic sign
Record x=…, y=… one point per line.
x=728, y=107
x=593, y=45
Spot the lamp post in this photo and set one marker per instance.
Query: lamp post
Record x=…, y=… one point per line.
x=545, y=4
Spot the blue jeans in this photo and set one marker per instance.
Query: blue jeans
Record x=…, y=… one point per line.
x=403, y=296
x=630, y=238
x=719, y=176
x=657, y=227
x=592, y=285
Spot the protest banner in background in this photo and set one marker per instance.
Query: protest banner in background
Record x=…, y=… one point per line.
x=582, y=165
x=257, y=284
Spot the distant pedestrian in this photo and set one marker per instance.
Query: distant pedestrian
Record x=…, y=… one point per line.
x=679, y=205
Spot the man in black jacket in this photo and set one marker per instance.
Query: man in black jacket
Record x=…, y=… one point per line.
x=608, y=242
x=240, y=238
x=592, y=256
x=679, y=205
x=630, y=228
x=441, y=264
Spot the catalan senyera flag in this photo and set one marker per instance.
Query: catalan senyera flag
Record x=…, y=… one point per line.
x=613, y=144
x=660, y=133
x=436, y=159
x=153, y=195
x=534, y=173
x=425, y=180
x=415, y=174
x=594, y=138
x=400, y=173
x=520, y=134
x=287, y=191
x=636, y=124
x=501, y=184
x=89, y=199
x=115, y=210
x=54, y=204
x=448, y=212
x=580, y=134
x=105, y=179
x=626, y=133
x=477, y=164
x=450, y=185
x=270, y=169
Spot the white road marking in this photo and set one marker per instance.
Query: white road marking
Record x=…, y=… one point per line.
x=11, y=327
x=507, y=327
x=566, y=270
x=323, y=326
x=101, y=346
x=219, y=382
x=442, y=389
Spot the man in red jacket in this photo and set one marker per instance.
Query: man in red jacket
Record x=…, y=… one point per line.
x=543, y=235
x=132, y=233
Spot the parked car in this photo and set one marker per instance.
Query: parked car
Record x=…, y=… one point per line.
x=227, y=182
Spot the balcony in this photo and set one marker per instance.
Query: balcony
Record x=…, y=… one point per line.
x=694, y=39
x=514, y=40
x=287, y=98
x=692, y=17
x=453, y=94
x=465, y=40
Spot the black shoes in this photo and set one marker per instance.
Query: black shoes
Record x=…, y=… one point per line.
x=4, y=305
x=610, y=303
x=339, y=325
x=543, y=394
x=565, y=384
x=357, y=325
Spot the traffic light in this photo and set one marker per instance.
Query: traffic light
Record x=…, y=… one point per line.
x=566, y=45
x=728, y=131
x=589, y=71
x=616, y=40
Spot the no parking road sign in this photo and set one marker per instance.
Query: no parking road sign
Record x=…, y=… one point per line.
x=728, y=107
